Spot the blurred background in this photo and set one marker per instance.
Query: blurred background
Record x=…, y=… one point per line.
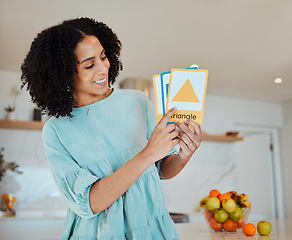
x=245, y=45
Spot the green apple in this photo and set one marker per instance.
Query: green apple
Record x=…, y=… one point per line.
x=229, y=205
x=203, y=202
x=264, y=228
x=221, y=216
x=236, y=215
x=213, y=203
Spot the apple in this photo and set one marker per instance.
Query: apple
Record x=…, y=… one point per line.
x=215, y=225
x=221, y=216
x=240, y=223
x=203, y=202
x=213, y=203
x=236, y=215
x=264, y=228
x=229, y=205
x=208, y=214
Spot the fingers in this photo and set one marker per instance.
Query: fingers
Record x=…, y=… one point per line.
x=174, y=134
x=170, y=127
x=185, y=151
x=164, y=120
x=184, y=147
x=185, y=139
x=195, y=126
x=175, y=141
x=191, y=139
x=185, y=129
x=191, y=128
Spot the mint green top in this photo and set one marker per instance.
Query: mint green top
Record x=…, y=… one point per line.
x=83, y=149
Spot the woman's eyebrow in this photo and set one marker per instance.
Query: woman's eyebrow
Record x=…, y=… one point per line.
x=86, y=59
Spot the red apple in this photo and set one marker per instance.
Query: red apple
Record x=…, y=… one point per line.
x=240, y=223
x=215, y=225
x=208, y=214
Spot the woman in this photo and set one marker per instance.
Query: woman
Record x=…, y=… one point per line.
x=105, y=152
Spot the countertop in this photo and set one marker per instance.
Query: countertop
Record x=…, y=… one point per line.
x=281, y=230
x=37, y=226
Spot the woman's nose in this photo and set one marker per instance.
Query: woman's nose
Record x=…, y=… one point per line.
x=102, y=69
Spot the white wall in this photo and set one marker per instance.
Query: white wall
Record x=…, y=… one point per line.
x=224, y=113
x=286, y=142
x=24, y=107
x=25, y=147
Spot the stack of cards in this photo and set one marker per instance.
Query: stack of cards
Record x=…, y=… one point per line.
x=181, y=88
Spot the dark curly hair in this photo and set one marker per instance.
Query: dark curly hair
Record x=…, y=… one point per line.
x=49, y=66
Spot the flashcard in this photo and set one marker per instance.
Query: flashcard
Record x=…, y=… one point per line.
x=187, y=91
x=158, y=96
x=165, y=76
x=164, y=88
x=183, y=88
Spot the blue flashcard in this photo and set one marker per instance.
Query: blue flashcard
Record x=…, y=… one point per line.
x=164, y=88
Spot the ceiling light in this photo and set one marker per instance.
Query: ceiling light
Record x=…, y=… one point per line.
x=278, y=80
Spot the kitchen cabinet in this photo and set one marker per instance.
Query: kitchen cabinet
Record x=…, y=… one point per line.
x=37, y=125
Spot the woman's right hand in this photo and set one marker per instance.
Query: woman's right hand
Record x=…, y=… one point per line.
x=163, y=138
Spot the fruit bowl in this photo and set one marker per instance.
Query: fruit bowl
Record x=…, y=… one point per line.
x=229, y=225
x=227, y=213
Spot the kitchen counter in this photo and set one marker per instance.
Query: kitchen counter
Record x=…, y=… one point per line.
x=37, y=226
x=281, y=230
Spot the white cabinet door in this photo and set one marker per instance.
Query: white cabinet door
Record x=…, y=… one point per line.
x=254, y=172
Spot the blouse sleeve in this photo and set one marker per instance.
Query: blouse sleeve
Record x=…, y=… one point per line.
x=151, y=123
x=73, y=182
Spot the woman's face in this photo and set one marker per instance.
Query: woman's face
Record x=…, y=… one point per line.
x=91, y=82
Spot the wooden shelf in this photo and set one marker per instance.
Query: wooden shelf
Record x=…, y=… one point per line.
x=27, y=125
x=220, y=138
x=37, y=125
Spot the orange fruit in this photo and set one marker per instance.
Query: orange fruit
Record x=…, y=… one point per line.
x=224, y=196
x=249, y=229
x=215, y=225
x=6, y=197
x=9, y=205
x=230, y=226
x=214, y=193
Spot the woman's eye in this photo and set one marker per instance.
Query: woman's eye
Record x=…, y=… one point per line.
x=90, y=66
x=103, y=58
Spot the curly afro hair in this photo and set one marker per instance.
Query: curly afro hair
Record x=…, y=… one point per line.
x=49, y=66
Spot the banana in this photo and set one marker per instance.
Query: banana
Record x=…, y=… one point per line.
x=233, y=194
x=238, y=198
x=244, y=197
x=245, y=204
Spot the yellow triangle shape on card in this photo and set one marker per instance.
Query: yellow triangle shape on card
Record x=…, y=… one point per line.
x=186, y=94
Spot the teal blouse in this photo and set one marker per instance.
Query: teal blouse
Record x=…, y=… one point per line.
x=88, y=147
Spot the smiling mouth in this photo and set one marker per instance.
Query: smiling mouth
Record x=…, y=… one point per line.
x=101, y=82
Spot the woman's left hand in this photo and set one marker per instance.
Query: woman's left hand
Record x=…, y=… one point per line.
x=191, y=137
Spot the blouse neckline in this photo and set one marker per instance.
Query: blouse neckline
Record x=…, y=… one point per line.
x=87, y=108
